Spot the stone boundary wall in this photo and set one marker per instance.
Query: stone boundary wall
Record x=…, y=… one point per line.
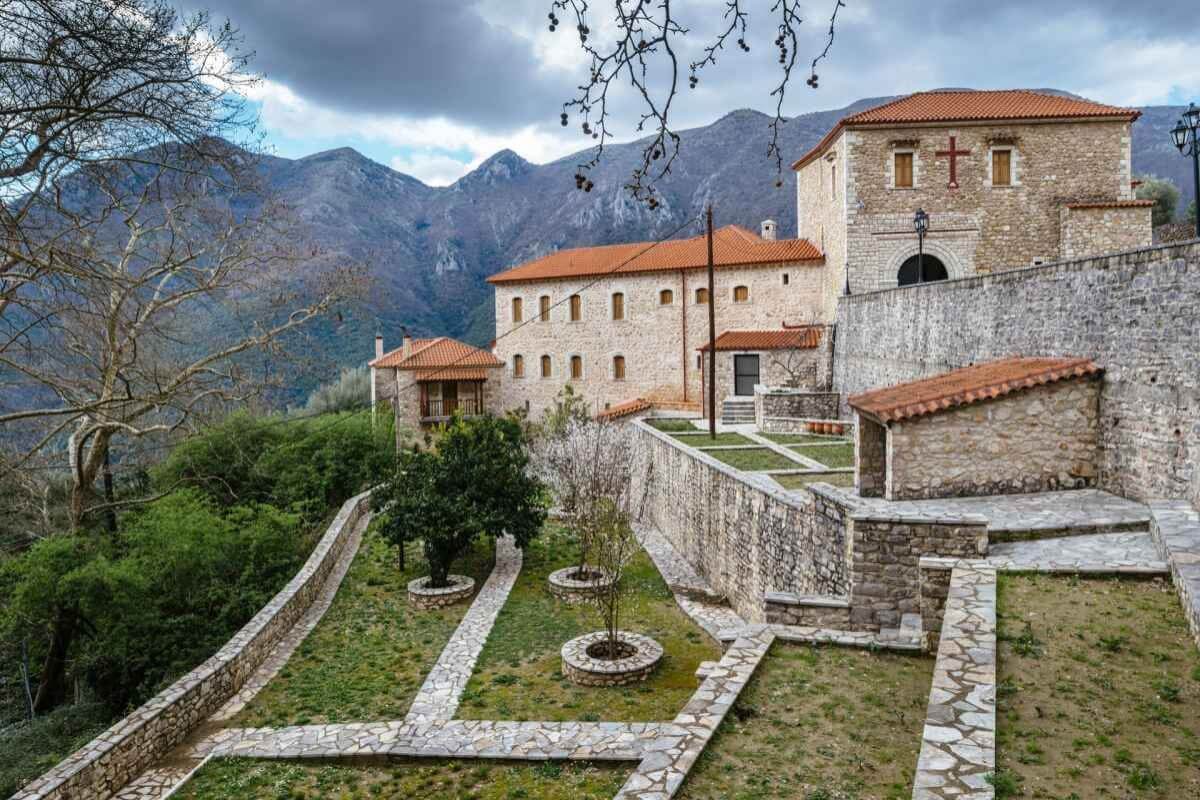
x=1175, y=529
x=115, y=757
x=741, y=532
x=777, y=406
x=1134, y=313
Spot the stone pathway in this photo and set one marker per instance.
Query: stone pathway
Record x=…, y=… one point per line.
x=1176, y=533
x=670, y=757
x=439, y=695
x=1103, y=553
x=906, y=639
x=693, y=593
x=958, y=746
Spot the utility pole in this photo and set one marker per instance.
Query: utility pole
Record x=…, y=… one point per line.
x=712, y=334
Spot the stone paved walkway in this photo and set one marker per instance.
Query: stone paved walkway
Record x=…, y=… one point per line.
x=958, y=745
x=693, y=593
x=1176, y=532
x=439, y=695
x=1104, y=553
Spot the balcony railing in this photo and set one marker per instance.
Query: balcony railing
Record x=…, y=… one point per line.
x=435, y=408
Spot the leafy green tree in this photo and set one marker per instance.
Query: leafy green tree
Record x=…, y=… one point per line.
x=475, y=483
x=1165, y=196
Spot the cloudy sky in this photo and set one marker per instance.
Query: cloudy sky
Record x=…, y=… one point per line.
x=432, y=87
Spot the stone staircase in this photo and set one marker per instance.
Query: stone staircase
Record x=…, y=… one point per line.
x=737, y=411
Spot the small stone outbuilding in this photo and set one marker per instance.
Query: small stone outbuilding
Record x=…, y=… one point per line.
x=1002, y=427
x=793, y=356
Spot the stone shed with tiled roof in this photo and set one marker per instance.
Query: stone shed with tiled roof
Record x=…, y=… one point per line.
x=792, y=356
x=1002, y=427
x=427, y=381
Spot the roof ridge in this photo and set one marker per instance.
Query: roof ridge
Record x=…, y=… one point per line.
x=1070, y=364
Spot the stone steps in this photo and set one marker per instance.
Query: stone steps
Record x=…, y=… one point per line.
x=821, y=611
x=737, y=412
x=1028, y=533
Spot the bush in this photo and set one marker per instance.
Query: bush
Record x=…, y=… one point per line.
x=34, y=747
x=1165, y=197
x=351, y=390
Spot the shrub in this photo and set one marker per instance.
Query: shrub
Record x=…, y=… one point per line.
x=1165, y=196
x=349, y=391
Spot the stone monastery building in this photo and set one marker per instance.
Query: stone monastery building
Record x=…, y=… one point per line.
x=1009, y=179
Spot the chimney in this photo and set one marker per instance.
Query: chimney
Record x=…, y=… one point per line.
x=379, y=345
x=770, y=229
x=405, y=342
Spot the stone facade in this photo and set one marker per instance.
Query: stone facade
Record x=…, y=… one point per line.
x=775, y=408
x=658, y=342
x=870, y=457
x=395, y=387
x=1040, y=439
x=806, y=369
x=849, y=205
x=111, y=760
x=1134, y=314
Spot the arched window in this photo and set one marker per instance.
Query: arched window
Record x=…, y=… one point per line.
x=576, y=308
x=618, y=368
x=666, y=297
x=544, y=308
x=516, y=309
x=618, y=305
x=921, y=269
x=741, y=294
x=518, y=366
x=576, y=368
x=545, y=366
x=702, y=296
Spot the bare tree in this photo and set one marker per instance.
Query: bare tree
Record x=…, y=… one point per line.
x=167, y=288
x=614, y=546
x=646, y=55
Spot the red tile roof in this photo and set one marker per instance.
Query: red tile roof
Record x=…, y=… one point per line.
x=625, y=409
x=1112, y=204
x=969, y=385
x=804, y=338
x=971, y=106
x=438, y=353
x=733, y=245
x=452, y=374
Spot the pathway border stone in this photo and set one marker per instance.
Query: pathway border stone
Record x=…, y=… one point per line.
x=1098, y=553
x=1175, y=528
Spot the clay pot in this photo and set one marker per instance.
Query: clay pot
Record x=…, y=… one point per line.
x=811, y=427
x=826, y=427
x=839, y=429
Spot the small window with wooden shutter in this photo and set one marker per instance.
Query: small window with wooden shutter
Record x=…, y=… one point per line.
x=576, y=308
x=518, y=366
x=702, y=296
x=516, y=309
x=1001, y=168
x=741, y=294
x=545, y=366
x=666, y=297
x=544, y=308
x=618, y=305
x=618, y=368
x=904, y=170
x=576, y=368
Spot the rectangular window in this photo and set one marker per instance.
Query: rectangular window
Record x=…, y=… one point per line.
x=833, y=182
x=619, y=368
x=618, y=305
x=546, y=366
x=1001, y=168
x=701, y=296
x=544, y=308
x=576, y=308
x=518, y=366
x=516, y=309
x=741, y=294
x=576, y=368
x=904, y=170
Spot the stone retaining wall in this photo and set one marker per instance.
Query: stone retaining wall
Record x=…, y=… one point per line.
x=118, y=755
x=776, y=409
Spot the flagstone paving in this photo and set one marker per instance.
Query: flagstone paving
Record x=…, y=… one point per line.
x=693, y=593
x=1121, y=553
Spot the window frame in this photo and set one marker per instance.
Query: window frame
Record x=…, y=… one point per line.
x=544, y=308
x=615, y=300
x=912, y=167
x=575, y=306
x=518, y=365
x=546, y=366
x=517, y=310
x=669, y=294
x=701, y=290
x=1009, y=152
x=734, y=293
x=573, y=360
x=619, y=365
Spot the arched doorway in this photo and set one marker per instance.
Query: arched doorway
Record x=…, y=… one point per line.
x=910, y=270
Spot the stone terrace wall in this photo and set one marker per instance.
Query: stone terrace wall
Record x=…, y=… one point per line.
x=1137, y=314
x=740, y=531
x=122, y=752
x=776, y=407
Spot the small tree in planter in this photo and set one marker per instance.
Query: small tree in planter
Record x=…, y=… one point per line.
x=613, y=545
x=475, y=482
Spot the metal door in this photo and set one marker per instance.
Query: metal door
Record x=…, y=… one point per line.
x=745, y=375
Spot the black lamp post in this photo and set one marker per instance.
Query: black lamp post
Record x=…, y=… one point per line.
x=921, y=224
x=1186, y=136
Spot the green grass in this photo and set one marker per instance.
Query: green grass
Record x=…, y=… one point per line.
x=428, y=779
x=834, y=456
x=817, y=722
x=671, y=425
x=367, y=657
x=843, y=479
x=26, y=751
x=1099, y=690
x=801, y=438
x=754, y=460
x=704, y=440
x=518, y=673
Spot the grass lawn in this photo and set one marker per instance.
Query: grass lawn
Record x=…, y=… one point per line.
x=517, y=676
x=754, y=460
x=26, y=751
x=843, y=479
x=819, y=722
x=368, y=655
x=801, y=438
x=428, y=779
x=671, y=425
x=1099, y=690
x=834, y=456
x=704, y=440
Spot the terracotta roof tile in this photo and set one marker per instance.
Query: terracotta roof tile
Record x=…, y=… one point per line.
x=1112, y=204
x=625, y=409
x=969, y=385
x=452, y=374
x=804, y=338
x=733, y=245
x=439, y=352
x=971, y=106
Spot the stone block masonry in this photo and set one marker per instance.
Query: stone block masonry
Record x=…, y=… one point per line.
x=775, y=408
x=1175, y=529
x=1136, y=314
x=112, y=759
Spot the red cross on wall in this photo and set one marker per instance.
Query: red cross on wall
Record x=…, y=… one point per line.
x=953, y=153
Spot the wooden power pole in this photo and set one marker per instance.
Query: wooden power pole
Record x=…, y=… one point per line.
x=712, y=334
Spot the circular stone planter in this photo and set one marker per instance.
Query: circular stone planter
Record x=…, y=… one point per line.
x=570, y=589
x=579, y=667
x=421, y=596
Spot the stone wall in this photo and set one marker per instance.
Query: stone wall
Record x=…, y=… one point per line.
x=774, y=406
x=1090, y=230
x=741, y=532
x=870, y=457
x=1037, y=440
x=1134, y=313
x=821, y=207
x=122, y=752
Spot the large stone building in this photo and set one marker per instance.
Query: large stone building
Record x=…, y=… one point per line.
x=1009, y=179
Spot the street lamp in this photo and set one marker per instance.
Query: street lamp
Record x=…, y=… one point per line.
x=921, y=224
x=1186, y=136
